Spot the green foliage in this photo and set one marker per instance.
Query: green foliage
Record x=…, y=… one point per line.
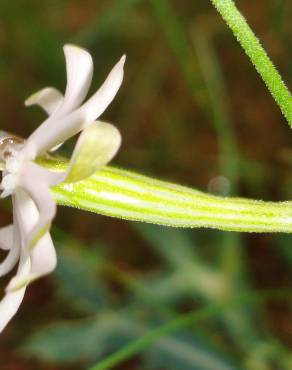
x=89, y=339
x=67, y=342
x=78, y=280
x=186, y=320
x=123, y=329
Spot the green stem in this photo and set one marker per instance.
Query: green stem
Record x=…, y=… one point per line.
x=123, y=194
x=184, y=321
x=257, y=55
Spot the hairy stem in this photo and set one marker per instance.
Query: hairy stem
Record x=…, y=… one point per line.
x=257, y=55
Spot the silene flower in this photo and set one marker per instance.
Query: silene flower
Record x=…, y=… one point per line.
x=28, y=241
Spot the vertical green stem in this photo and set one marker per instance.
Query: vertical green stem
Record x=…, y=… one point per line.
x=257, y=55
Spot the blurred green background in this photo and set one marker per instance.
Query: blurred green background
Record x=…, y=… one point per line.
x=191, y=110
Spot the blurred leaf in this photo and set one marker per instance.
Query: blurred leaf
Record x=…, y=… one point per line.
x=153, y=336
x=192, y=277
x=72, y=341
x=90, y=340
x=77, y=278
x=64, y=342
x=179, y=352
x=174, y=245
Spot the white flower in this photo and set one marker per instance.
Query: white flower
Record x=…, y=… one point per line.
x=28, y=240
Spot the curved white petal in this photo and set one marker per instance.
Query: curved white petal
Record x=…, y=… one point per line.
x=49, y=98
x=25, y=213
x=43, y=261
x=31, y=170
x=42, y=258
x=95, y=147
x=51, y=133
x=37, y=188
x=79, y=67
x=98, y=103
x=6, y=237
x=10, y=260
x=11, y=301
x=9, y=236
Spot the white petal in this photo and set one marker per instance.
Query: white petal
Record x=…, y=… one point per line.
x=43, y=261
x=42, y=257
x=95, y=147
x=38, y=190
x=26, y=212
x=10, y=261
x=10, y=237
x=50, y=134
x=98, y=103
x=49, y=98
x=38, y=173
x=8, y=184
x=10, y=303
x=79, y=67
x=6, y=237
